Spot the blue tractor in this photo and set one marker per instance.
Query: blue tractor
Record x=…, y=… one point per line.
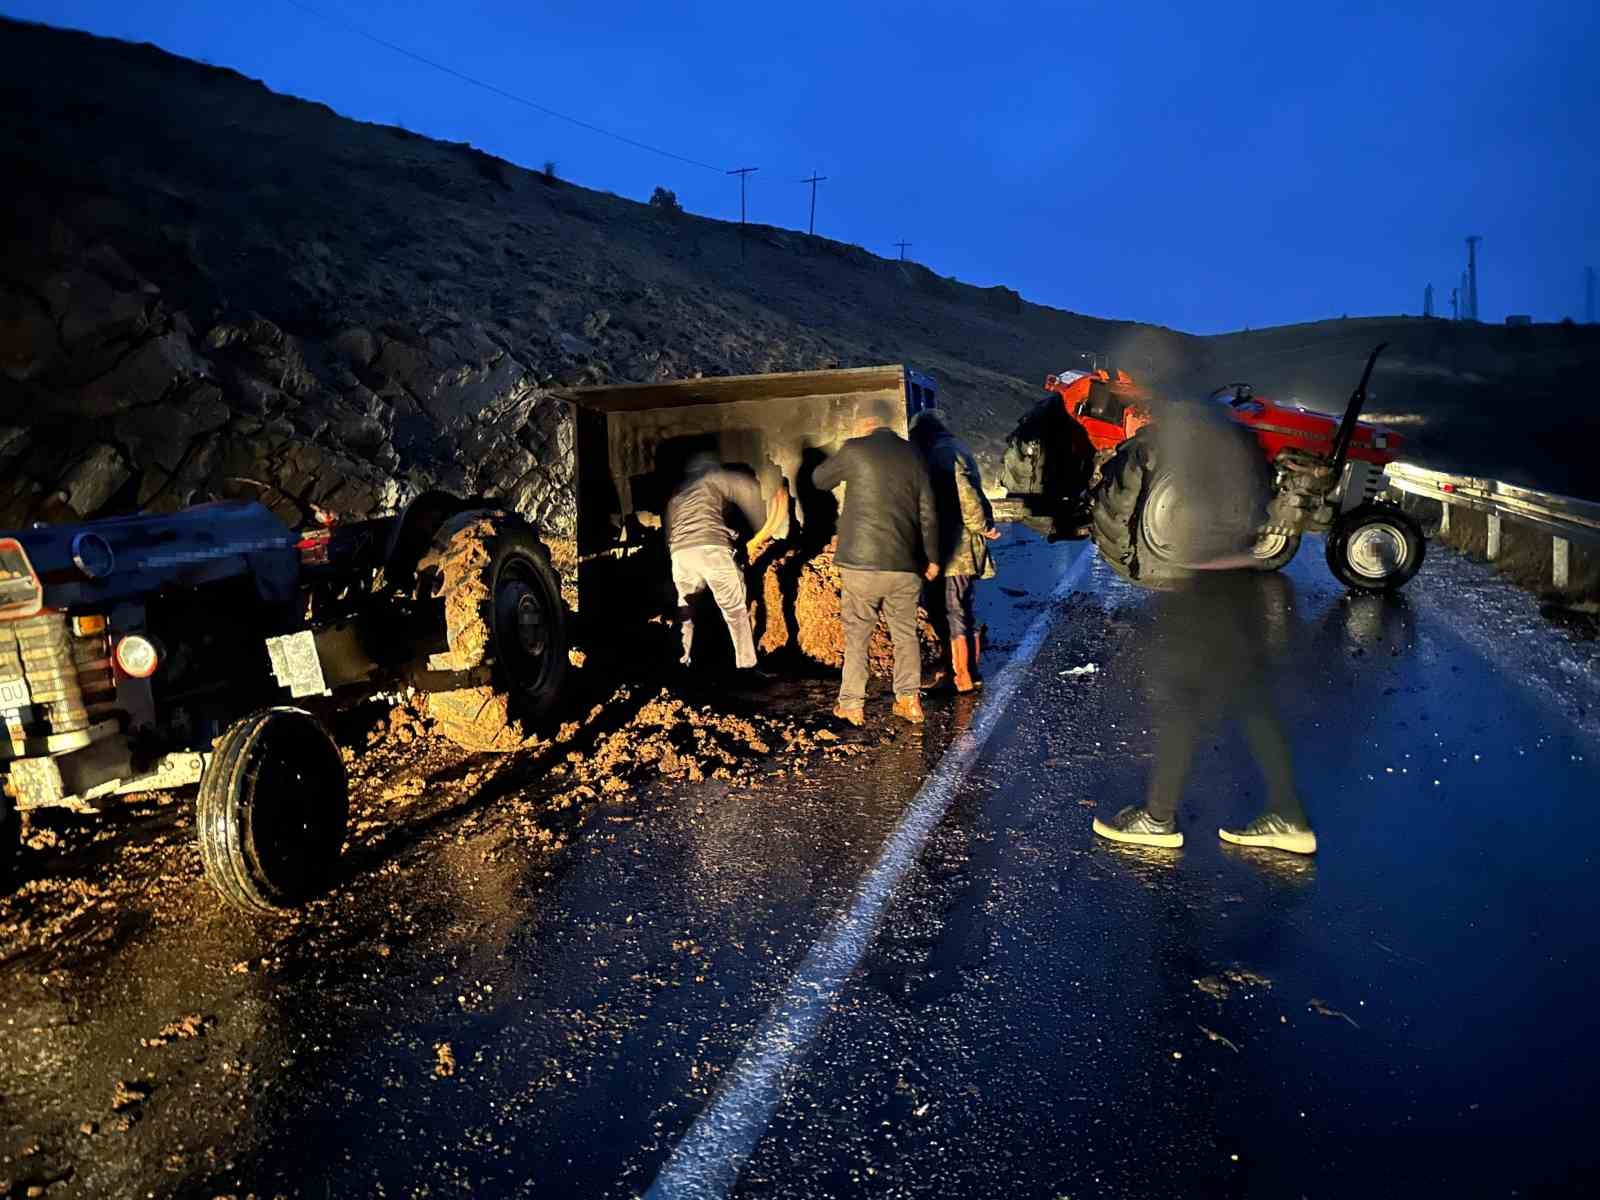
x=147, y=653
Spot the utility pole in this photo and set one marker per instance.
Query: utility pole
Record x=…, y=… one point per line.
x=1472, y=276
x=811, y=226
x=1588, y=295
x=1455, y=304
x=1427, y=301
x=743, y=173
x=902, y=246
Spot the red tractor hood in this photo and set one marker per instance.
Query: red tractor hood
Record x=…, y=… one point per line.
x=1278, y=426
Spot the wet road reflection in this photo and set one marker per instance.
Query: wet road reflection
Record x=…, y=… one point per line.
x=1381, y=1020
x=1043, y=1013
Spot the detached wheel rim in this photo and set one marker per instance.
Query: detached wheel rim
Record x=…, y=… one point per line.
x=1162, y=520
x=1378, y=550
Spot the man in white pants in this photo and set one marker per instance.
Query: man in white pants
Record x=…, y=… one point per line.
x=701, y=536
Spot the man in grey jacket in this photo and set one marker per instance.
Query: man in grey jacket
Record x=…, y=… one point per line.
x=888, y=544
x=701, y=538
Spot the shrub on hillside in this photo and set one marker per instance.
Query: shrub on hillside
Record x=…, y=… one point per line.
x=665, y=200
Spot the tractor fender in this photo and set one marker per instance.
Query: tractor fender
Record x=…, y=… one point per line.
x=417, y=530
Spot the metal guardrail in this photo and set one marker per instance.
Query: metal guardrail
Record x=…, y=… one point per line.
x=1566, y=518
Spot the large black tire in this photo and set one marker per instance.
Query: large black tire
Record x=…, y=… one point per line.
x=1375, y=547
x=10, y=841
x=272, y=811
x=503, y=609
x=1187, y=491
x=1114, y=515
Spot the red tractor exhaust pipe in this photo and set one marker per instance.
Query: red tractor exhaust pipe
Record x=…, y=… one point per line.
x=1352, y=413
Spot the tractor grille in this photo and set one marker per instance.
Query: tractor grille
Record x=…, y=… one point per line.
x=53, y=683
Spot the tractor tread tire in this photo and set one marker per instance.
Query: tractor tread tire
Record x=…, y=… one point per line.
x=246, y=872
x=490, y=718
x=10, y=842
x=1282, y=558
x=1117, y=501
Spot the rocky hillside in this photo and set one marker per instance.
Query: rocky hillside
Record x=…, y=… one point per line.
x=207, y=289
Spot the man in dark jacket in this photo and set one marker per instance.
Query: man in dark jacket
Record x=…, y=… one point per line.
x=888, y=543
x=701, y=537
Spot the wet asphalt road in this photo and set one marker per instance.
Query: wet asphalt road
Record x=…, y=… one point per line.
x=1041, y=1014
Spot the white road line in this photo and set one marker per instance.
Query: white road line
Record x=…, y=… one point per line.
x=707, y=1162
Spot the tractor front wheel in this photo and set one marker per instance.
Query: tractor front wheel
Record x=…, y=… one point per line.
x=1375, y=547
x=1274, y=551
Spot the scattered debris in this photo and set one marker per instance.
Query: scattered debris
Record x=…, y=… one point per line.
x=1213, y=1035
x=1217, y=986
x=1246, y=978
x=1322, y=1010
x=184, y=1028
x=1086, y=669
x=445, y=1060
x=128, y=1093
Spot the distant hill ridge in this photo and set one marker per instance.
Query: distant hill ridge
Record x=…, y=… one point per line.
x=210, y=289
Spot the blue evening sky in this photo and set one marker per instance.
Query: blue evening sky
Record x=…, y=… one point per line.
x=1202, y=165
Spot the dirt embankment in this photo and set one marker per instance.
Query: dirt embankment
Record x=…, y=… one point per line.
x=208, y=289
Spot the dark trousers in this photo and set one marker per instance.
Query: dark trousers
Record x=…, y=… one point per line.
x=958, y=615
x=1192, y=713
x=862, y=595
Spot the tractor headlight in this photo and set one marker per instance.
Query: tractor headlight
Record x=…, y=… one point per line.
x=137, y=656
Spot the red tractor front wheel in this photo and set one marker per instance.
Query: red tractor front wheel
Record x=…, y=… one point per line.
x=1375, y=547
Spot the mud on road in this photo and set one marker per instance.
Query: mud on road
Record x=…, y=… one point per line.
x=137, y=1009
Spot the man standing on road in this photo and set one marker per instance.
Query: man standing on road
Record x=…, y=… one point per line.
x=888, y=544
x=701, y=538
x=1214, y=649
x=966, y=525
x=1211, y=659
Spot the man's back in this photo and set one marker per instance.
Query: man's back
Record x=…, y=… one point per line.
x=889, y=521
x=698, y=512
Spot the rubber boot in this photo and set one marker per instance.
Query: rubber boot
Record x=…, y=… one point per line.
x=908, y=708
x=961, y=664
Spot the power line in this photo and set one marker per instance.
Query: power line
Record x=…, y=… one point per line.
x=498, y=91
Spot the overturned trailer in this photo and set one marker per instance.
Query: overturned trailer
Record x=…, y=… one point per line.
x=634, y=440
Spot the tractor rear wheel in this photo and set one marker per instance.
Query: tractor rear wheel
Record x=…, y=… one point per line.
x=272, y=811
x=1153, y=518
x=503, y=609
x=1115, y=509
x=1375, y=547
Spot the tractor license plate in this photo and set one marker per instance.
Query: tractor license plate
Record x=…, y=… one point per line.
x=14, y=693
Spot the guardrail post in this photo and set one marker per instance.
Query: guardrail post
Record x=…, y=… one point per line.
x=1444, y=516
x=1561, y=562
x=1494, y=537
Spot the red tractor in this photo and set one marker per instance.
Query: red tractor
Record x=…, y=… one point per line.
x=1179, y=482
